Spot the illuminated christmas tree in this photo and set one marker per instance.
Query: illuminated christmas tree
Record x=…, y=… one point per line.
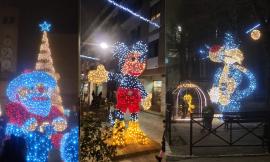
x=45, y=63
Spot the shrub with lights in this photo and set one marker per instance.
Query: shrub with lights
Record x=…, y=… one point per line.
x=226, y=90
x=32, y=116
x=130, y=92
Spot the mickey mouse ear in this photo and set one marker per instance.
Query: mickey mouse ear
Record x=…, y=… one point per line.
x=120, y=50
x=140, y=47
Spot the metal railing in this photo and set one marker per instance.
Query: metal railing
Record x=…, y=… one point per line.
x=256, y=119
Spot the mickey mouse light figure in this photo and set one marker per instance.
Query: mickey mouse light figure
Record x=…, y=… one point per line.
x=130, y=92
x=226, y=90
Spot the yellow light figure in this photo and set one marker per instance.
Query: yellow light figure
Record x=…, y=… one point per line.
x=98, y=76
x=134, y=134
x=147, y=102
x=188, y=99
x=255, y=34
x=118, y=134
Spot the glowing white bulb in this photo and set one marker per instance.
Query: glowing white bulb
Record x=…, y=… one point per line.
x=103, y=45
x=179, y=28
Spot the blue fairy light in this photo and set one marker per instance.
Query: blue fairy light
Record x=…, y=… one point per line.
x=38, y=145
x=33, y=90
x=133, y=13
x=226, y=90
x=45, y=26
x=253, y=28
x=70, y=146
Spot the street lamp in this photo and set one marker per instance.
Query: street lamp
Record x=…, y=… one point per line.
x=103, y=45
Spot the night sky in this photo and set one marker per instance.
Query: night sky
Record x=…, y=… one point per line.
x=64, y=19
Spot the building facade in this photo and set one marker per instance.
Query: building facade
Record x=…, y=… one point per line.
x=187, y=31
x=114, y=24
x=8, y=47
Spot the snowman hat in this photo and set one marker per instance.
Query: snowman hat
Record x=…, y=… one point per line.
x=29, y=80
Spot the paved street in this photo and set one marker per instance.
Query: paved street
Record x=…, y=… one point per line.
x=152, y=125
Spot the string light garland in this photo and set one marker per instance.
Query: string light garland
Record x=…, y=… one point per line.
x=226, y=88
x=90, y=58
x=256, y=26
x=133, y=13
x=32, y=116
x=130, y=92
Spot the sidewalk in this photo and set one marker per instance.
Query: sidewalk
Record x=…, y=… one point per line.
x=179, y=149
x=152, y=126
x=228, y=159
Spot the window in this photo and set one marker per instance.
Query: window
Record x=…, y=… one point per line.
x=135, y=34
x=153, y=49
x=8, y=20
x=155, y=11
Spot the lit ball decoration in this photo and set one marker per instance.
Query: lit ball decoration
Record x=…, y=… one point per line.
x=32, y=116
x=131, y=92
x=188, y=98
x=98, y=76
x=30, y=125
x=255, y=34
x=59, y=124
x=70, y=146
x=226, y=91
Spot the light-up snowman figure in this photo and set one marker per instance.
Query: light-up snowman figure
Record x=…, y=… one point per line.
x=32, y=116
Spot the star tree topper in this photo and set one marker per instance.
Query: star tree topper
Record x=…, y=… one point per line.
x=45, y=26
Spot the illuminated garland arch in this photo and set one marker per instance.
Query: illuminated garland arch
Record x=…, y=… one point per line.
x=187, y=85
